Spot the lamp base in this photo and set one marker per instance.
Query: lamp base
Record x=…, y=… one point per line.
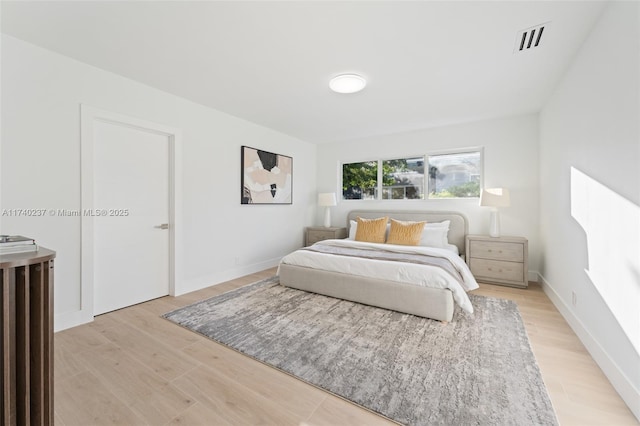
x=327, y=217
x=494, y=225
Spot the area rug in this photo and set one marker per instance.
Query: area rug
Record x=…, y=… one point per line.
x=478, y=369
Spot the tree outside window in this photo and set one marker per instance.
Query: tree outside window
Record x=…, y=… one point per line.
x=403, y=179
x=454, y=175
x=360, y=180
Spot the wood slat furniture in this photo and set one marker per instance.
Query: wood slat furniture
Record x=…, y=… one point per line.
x=26, y=337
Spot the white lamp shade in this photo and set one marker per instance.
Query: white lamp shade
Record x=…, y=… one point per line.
x=495, y=197
x=327, y=199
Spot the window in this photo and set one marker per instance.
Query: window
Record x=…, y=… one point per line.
x=454, y=175
x=403, y=179
x=360, y=180
x=442, y=175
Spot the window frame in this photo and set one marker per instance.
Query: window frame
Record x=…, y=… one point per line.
x=341, y=177
x=479, y=149
x=426, y=189
x=381, y=176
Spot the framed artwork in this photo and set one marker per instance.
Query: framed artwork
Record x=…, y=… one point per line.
x=267, y=178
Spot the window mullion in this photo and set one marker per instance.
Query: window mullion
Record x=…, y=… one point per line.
x=379, y=195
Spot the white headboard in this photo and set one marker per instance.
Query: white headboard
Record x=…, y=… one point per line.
x=457, y=230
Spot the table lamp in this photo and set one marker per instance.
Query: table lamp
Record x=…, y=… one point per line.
x=327, y=200
x=494, y=198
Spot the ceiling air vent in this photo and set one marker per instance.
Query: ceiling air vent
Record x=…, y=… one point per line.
x=529, y=38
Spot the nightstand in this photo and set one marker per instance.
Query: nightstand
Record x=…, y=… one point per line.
x=313, y=234
x=498, y=260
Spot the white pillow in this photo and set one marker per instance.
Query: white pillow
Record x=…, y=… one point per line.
x=453, y=248
x=435, y=235
x=353, y=227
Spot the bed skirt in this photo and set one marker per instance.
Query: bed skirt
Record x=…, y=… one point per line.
x=426, y=302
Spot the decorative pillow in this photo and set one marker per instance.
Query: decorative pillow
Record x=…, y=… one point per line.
x=353, y=227
x=371, y=230
x=405, y=233
x=435, y=234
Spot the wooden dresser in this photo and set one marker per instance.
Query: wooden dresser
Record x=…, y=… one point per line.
x=498, y=260
x=26, y=336
x=313, y=234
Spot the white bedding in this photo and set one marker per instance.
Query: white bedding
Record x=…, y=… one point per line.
x=411, y=273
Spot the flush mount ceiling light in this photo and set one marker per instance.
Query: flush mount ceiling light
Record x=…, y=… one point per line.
x=347, y=83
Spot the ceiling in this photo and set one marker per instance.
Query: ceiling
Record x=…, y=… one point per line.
x=427, y=63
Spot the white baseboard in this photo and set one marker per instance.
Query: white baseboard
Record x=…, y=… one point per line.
x=230, y=274
x=70, y=319
x=533, y=276
x=619, y=380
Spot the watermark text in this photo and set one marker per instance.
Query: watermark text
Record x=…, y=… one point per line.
x=65, y=212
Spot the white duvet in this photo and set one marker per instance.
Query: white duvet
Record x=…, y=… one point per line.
x=416, y=274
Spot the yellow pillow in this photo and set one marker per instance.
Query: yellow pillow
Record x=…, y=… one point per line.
x=405, y=233
x=371, y=230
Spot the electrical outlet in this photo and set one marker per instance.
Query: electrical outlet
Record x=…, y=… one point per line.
x=237, y=260
x=574, y=298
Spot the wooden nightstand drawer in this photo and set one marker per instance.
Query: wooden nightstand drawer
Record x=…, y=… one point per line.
x=496, y=270
x=497, y=250
x=498, y=260
x=315, y=234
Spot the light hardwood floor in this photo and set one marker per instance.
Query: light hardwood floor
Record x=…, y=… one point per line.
x=132, y=367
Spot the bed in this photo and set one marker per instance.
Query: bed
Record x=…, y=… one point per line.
x=423, y=290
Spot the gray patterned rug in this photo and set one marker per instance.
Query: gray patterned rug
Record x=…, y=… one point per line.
x=477, y=370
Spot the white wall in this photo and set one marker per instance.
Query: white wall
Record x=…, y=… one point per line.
x=510, y=160
x=590, y=196
x=40, y=168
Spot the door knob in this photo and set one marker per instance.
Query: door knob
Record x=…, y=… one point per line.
x=162, y=226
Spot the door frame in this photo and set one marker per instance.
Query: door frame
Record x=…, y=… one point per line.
x=88, y=116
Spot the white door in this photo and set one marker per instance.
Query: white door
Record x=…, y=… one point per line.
x=131, y=203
